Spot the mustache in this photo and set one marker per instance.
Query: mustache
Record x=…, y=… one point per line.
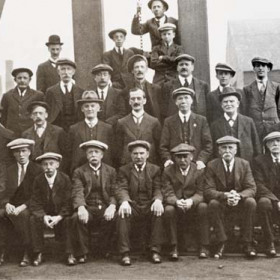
x=140, y=72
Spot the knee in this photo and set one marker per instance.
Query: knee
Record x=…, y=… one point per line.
x=202, y=209
x=214, y=204
x=24, y=214
x=250, y=203
x=264, y=204
x=169, y=211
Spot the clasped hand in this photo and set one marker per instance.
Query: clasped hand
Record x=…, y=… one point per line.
x=184, y=204
x=51, y=221
x=233, y=198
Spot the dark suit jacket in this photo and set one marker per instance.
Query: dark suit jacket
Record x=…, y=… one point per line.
x=77, y=135
x=82, y=184
x=15, y=115
x=127, y=183
x=215, y=181
x=200, y=137
x=46, y=76
x=6, y=136
x=249, y=146
x=168, y=105
x=150, y=26
x=61, y=195
x=127, y=131
x=174, y=186
x=18, y=195
x=265, y=174
x=120, y=73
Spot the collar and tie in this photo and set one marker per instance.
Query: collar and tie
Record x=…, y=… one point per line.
x=231, y=122
x=119, y=51
x=186, y=84
x=139, y=168
x=66, y=89
x=262, y=87
x=22, y=173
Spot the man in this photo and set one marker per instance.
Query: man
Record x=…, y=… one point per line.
x=117, y=58
x=229, y=188
x=91, y=128
x=185, y=68
x=183, y=196
x=224, y=73
x=140, y=198
x=261, y=97
x=62, y=97
x=113, y=106
x=94, y=202
x=15, y=199
x=266, y=173
x=46, y=75
x=234, y=124
x=138, y=66
x=138, y=125
x=50, y=206
x=186, y=127
x=158, y=8
x=15, y=102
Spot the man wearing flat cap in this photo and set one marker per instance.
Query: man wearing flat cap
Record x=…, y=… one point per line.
x=15, y=115
x=50, y=206
x=158, y=8
x=91, y=128
x=186, y=127
x=94, y=201
x=15, y=199
x=113, y=106
x=266, y=170
x=185, y=67
x=225, y=74
x=229, y=189
x=140, y=198
x=117, y=58
x=237, y=125
x=62, y=97
x=183, y=199
x=46, y=75
x=261, y=97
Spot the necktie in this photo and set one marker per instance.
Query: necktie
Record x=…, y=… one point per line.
x=186, y=84
x=102, y=94
x=40, y=131
x=157, y=23
x=139, y=167
x=185, y=119
x=66, y=89
x=262, y=88
x=231, y=122
x=22, y=173
x=119, y=51
x=228, y=168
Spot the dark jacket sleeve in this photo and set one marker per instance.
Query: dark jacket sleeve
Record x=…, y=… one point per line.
x=165, y=143
x=207, y=146
x=66, y=207
x=122, y=193
x=40, y=79
x=78, y=197
x=157, y=186
x=36, y=203
x=138, y=28
x=248, y=183
x=4, y=113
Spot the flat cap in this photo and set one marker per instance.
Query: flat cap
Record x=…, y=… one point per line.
x=136, y=57
x=20, y=143
x=165, y=4
x=20, y=70
x=271, y=136
x=94, y=143
x=138, y=143
x=183, y=91
x=101, y=67
x=228, y=91
x=33, y=104
x=182, y=149
x=263, y=61
x=66, y=61
x=49, y=155
x=186, y=57
x=54, y=40
x=89, y=96
x=225, y=67
x=167, y=26
x=111, y=33
x=227, y=140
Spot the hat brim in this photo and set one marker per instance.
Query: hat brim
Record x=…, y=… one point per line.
x=226, y=70
x=269, y=64
x=83, y=101
x=113, y=32
x=21, y=70
x=162, y=1
x=182, y=153
x=94, y=72
x=21, y=146
x=53, y=43
x=224, y=95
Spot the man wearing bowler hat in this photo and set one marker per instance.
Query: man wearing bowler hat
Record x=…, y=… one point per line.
x=46, y=75
x=229, y=189
x=237, y=125
x=113, y=106
x=186, y=127
x=183, y=199
x=94, y=202
x=261, y=97
x=18, y=190
x=117, y=58
x=62, y=97
x=15, y=115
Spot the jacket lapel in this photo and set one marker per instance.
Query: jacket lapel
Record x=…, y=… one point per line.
x=109, y=100
x=125, y=57
x=27, y=95
x=221, y=172
x=131, y=125
x=193, y=126
x=176, y=126
x=58, y=97
x=15, y=94
x=81, y=129
x=57, y=183
x=48, y=135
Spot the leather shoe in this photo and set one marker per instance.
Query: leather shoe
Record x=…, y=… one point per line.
x=82, y=259
x=271, y=251
x=71, y=260
x=174, y=254
x=156, y=257
x=25, y=261
x=38, y=259
x=203, y=252
x=219, y=252
x=125, y=261
x=250, y=251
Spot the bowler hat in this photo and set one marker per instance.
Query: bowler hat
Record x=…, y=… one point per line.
x=20, y=70
x=54, y=40
x=165, y=4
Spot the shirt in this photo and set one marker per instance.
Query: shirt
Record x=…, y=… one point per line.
x=232, y=119
x=105, y=92
x=187, y=116
x=231, y=164
x=53, y=62
x=69, y=86
x=138, y=116
x=40, y=129
x=183, y=79
x=142, y=167
x=96, y=169
x=51, y=179
x=185, y=172
x=117, y=49
x=21, y=93
x=161, y=21
x=262, y=83
x=91, y=123
x=275, y=159
x=20, y=169
x=222, y=88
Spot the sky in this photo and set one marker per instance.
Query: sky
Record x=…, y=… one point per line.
x=26, y=24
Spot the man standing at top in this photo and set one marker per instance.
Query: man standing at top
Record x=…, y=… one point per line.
x=46, y=74
x=158, y=8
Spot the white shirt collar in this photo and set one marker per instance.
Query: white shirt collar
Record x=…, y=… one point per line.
x=274, y=158
x=183, y=79
x=19, y=170
x=263, y=81
x=142, y=167
x=227, y=117
x=43, y=126
x=138, y=114
x=91, y=123
x=161, y=20
x=21, y=93
x=95, y=168
x=69, y=86
x=222, y=88
x=105, y=92
x=53, y=60
x=51, y=179
x=182, y=116
x=117, y=49
x=185, y=172
x=231, y=164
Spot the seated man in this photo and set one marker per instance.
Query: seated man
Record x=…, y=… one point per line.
x=94, y=202
x=183, y=196
x=50, y=205
x=229, y=187
x=140, y=198
x=15, y=200
x=266, y=170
